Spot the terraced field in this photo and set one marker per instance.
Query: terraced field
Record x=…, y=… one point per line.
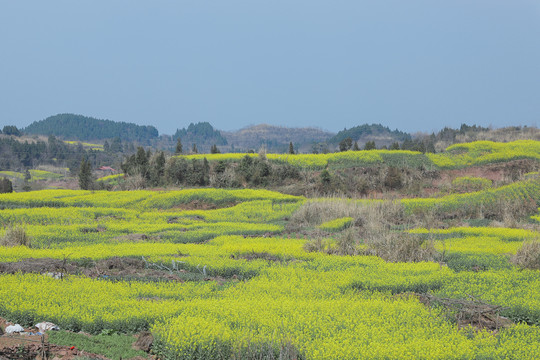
x=219, y=274
x=455, y=157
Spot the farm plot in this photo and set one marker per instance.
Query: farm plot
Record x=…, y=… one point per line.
x=221, y=274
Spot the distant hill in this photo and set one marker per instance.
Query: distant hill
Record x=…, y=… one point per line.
x=84, y=128
x=382, y=135
x=275, y=138
x=203, y=134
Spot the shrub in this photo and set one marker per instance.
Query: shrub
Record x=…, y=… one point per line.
x=400, y=247
x=16, y=236
x=393, y=179
x=528, y=256
x=347, y=242
x=6, y=186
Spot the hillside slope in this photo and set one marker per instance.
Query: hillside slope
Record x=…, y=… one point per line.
x=84, y=128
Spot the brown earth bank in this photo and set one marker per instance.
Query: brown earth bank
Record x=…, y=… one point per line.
x=115, y=268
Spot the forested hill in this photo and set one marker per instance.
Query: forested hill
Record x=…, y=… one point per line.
x=202, y=134
x=84, y=128
x=378, y=133
x=276, y=138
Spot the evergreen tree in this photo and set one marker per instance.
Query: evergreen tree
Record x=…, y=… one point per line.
x=158, y=169
x=11, y=130
x=194, y=149
x=345, y=144
x=291, y=148
x=6, y=186
x=355, y=146
x=178, y=149
x=85, y=175
x=116, y=145
x=176, y=170
x=141, y=161
x=106, y=146
x=394, y=146
x=370, y=145
x=326, y=178
x=214, y=149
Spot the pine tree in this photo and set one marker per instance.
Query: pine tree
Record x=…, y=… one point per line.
x=214, y=149
x=345, y=144
x=194, y=149
x=141, y=161
x=6, y=186
x=158, y=169
x=355, y=146
x=291, y=148
x=178, y=149
x=85, y=175
x=370, y=145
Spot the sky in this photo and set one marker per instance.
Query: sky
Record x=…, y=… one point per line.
x=415, y=65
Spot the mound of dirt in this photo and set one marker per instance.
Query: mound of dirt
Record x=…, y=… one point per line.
x=203, y=205
x=144, y=341
x=119, y=263
x=44, y=265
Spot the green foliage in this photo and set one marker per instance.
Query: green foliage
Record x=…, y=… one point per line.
x=85, y=175
x=325, y=178
x=214, y=149
x=11, y=130
x=370, y=145
x=113, y=346
x=469, y=184
x=5, y=186
x=176, y=170
x=179, y=148
x=345, y=144
x=16, y=154
x=337, y=224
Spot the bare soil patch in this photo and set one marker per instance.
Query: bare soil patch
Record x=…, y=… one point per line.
x=203, y=205
x=115, y=268
x=469, y=312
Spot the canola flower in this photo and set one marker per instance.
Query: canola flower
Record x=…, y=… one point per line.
x=271, y=294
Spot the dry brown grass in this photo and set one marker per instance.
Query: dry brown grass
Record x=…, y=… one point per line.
x=315, y=212
x=377, y=231
x=16, y=236
x=400, y=247
x=528, y=256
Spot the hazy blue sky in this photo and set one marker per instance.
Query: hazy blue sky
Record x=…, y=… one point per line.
x=414, y=65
